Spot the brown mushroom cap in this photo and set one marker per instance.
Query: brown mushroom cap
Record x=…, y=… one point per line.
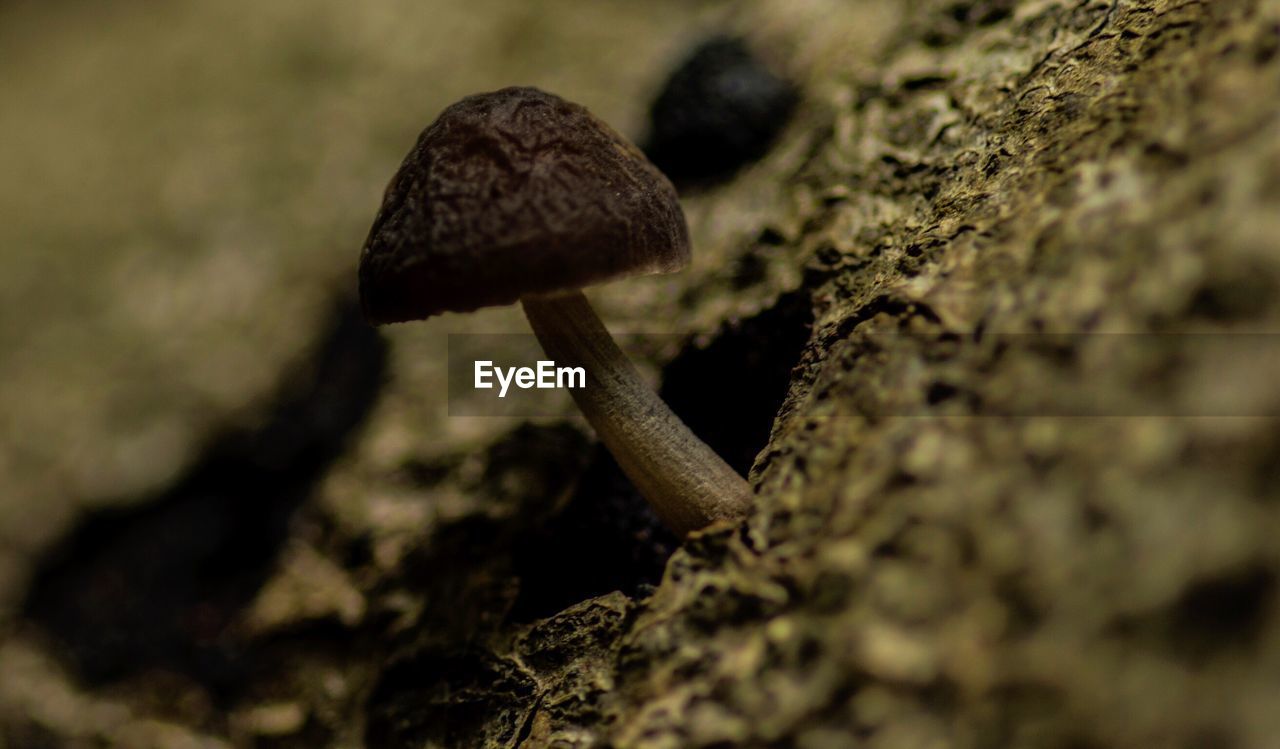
x=510, y=194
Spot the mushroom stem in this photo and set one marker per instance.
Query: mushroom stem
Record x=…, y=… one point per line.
x=686, y=482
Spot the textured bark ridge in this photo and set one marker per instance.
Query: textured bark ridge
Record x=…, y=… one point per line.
x=971, y=532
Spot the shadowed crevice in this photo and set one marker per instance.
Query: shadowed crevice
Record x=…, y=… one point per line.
x=159, y=583
x=607, y=538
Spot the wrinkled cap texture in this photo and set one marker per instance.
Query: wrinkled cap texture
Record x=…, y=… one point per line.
x=510, y=194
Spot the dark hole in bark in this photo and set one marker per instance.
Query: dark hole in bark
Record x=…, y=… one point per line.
x=448, y=699
x=607, y=538
x=1220, y=614
x=1224, y=611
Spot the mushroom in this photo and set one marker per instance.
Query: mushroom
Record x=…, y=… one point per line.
x=519, y=195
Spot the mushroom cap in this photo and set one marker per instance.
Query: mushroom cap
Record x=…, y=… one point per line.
x=510, y=194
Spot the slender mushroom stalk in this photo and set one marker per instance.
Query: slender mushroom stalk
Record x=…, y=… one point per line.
x=519, y=195
x=688, y=485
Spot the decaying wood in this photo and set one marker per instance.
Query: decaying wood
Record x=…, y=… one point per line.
x=1022, y=486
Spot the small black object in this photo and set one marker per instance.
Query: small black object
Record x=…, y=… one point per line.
x=719, y=111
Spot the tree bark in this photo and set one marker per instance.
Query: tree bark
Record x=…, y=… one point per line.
x=1004, y=299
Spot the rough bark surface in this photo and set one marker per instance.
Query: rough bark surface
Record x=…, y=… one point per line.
x=972, y=532
x=1022, y=485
